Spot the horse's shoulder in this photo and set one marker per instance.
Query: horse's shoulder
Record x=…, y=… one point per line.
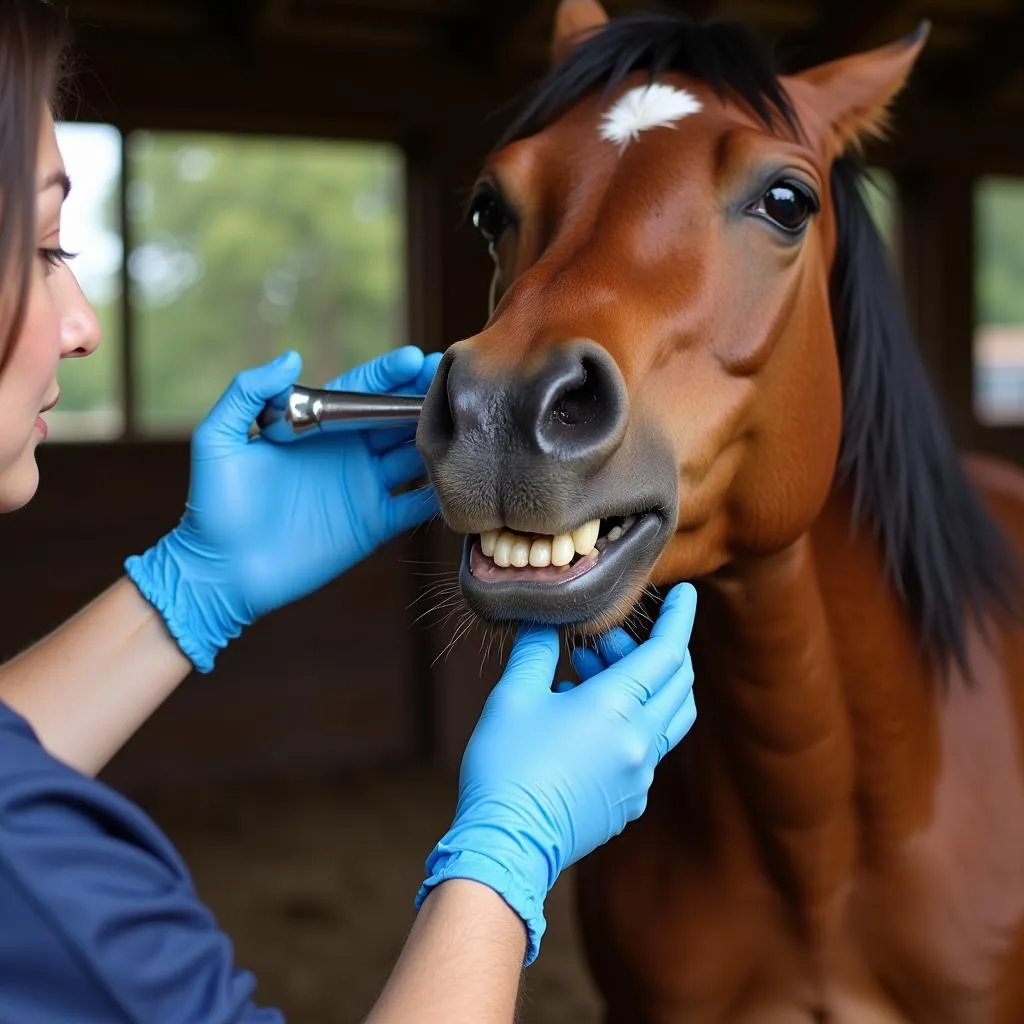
x=1001, y=485
x=994, y=475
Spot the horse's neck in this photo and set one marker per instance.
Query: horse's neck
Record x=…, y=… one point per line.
x=816, y=706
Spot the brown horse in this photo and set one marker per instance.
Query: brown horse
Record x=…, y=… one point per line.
x=698, y=368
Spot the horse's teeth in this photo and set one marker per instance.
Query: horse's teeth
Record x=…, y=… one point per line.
x=540, y=553
x=628, y=522
x=585, y=537
x=615, y=533
x=509, y=548
x=503, y=550
x=520, y=556
x=562, y=550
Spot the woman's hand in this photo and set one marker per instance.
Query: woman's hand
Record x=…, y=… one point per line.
x=267, y=524
x=552, y=773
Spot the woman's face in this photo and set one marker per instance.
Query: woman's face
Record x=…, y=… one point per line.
x=59, y=324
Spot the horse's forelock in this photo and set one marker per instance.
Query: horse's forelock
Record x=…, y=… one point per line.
x=725, y=55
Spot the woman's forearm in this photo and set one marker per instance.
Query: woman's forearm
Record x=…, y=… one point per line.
x=87, y=687
x=462, y=962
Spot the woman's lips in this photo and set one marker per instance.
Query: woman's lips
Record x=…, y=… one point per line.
x=41, y=425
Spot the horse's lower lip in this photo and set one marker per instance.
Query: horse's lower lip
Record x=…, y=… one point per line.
x=567, y=597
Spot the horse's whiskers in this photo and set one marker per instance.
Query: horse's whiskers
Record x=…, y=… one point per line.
x=465, y=624
x=442, y=611
x=436, y=589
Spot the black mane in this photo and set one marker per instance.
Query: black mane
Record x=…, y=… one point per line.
x=725, y=55
x=943, y=552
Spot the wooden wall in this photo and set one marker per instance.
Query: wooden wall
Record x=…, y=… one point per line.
x=345, y=676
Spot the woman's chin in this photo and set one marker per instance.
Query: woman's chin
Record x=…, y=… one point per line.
x=19, y=481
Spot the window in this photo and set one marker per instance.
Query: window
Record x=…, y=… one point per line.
x=880, y=197
x=238, y=248
x=999, y=301
x=91, y=405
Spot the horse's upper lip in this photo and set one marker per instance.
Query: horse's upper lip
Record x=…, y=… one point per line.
x=50, y=405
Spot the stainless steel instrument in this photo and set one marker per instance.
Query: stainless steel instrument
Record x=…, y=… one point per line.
x=303, y=411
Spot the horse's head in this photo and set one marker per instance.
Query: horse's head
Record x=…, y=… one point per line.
x=658, y=389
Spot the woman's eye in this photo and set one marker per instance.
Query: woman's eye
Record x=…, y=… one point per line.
x=54, y=258
x=788, y=206
x=490, y=215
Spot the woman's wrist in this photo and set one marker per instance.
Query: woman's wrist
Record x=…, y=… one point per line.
x=189, y=601
x=481, y=914
x=503, y=856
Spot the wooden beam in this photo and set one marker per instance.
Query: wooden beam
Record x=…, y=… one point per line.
x=232, y=22
x=146, y=17
x=698, y=10
x=977, y=77
x=273, y=16
x=846, y=26
x=480, y=33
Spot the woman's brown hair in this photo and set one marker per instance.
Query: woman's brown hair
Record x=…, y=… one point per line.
x=31, y=49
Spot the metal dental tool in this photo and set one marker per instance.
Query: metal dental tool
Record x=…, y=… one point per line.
x=302, y=411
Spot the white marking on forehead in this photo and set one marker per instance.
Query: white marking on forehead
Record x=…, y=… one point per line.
x=653, y=106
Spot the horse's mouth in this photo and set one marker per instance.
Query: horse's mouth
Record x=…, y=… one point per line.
x=573, y=578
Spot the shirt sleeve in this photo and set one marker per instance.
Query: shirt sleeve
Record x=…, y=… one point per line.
x=99, y=918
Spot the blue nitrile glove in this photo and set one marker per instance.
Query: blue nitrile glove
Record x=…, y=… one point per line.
x=551, y=774
x=267, y=524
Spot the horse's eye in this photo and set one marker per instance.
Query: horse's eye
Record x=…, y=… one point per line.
x=787, y=205
x=489, y=214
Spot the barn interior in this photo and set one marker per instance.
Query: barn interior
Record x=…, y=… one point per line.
x=256, y=174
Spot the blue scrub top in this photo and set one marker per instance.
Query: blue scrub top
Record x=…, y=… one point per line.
x=99, y=919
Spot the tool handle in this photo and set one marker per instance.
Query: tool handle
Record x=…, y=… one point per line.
x=303, y=410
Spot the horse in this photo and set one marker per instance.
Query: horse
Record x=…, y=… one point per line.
x=697, y=366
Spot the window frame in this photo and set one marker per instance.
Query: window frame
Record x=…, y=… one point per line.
x=987, y=426
x=414, y=177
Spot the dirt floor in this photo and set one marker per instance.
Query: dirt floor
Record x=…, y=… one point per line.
x=314, y=882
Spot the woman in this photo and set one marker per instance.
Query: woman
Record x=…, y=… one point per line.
x=99, y=920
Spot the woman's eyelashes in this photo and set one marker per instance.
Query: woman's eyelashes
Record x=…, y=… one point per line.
x=54, y=257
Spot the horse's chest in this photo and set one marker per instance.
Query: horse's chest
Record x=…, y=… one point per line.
x=683, y=930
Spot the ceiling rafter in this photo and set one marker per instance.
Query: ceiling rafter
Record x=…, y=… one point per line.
x=480, y=33
x=698, y=10
x=974, y=55
x=273, y=15
x=975, y=77
x=847, y=26
x=232, y=22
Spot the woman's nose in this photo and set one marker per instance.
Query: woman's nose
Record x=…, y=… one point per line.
x=80, y=332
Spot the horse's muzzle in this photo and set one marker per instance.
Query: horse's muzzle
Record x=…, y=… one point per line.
x=521, y=444
x=543, y=453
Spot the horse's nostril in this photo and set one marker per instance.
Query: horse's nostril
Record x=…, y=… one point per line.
x=437, y=422
x=581, y=404
x=572, y=410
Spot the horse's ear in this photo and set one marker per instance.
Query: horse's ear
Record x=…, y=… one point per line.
x=852, y=95
x=575, y=20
